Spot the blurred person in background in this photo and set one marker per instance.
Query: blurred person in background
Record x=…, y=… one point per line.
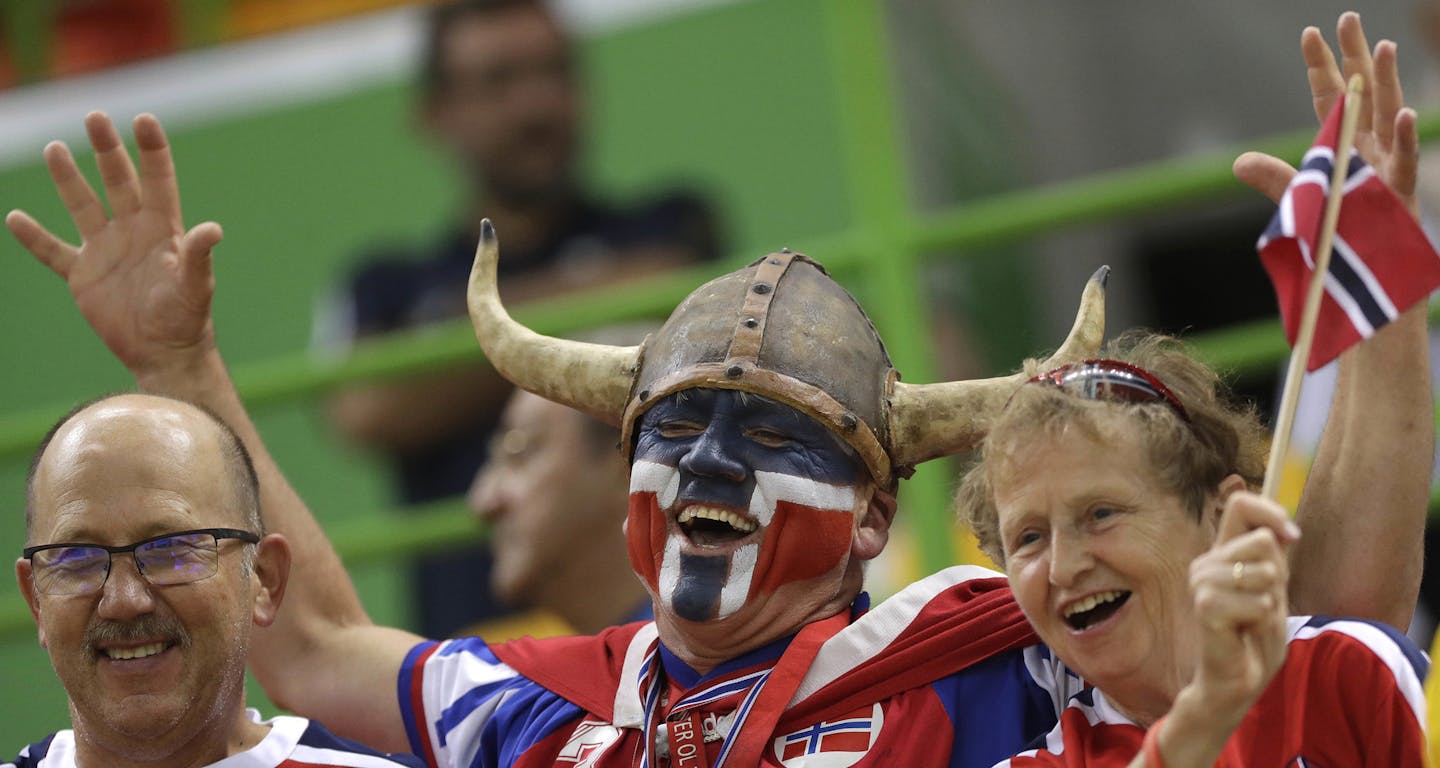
x=554, y=493
x=499, y=94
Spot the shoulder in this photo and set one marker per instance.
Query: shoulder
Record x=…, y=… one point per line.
x=960, y=603
x=398, y=267
x=57, y=749
x=438, y=676
x=676, y=217
x=320, y=748
x=400, y=256
x=1091, y=732
x=1356, y=655
x=463, y=705
x=1325, y=640
x=956, y=633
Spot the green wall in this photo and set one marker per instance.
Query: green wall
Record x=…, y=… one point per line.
x=734, y=100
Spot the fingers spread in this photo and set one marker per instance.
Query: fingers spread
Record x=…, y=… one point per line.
x=1326, y=84
x=1404, y=162
x=74, y=190
x=50, y=250
x=122, y=187
x=1357, y=61
x=1266, y=174
x=1389, y=98
x=200, y=239
x=195, y=257
x=158, y=186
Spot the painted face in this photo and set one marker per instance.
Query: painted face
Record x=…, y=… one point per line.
x=1098, y=551
x=734, y=496
x=142, y=664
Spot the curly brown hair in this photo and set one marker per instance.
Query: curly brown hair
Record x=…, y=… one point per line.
x=1223, y=436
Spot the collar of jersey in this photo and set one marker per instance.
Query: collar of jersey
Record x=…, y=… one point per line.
x=758, y=660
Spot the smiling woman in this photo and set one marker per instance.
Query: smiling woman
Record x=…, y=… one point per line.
x=1114, y=495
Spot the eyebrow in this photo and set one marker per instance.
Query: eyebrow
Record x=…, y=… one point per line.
x=87, y=534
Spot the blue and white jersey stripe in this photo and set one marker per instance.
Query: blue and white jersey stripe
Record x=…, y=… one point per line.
x=464, y=707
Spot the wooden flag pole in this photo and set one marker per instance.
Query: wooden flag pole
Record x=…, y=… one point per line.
x=1285, y=417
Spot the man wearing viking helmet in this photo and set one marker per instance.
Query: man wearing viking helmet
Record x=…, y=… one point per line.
x=767, y=431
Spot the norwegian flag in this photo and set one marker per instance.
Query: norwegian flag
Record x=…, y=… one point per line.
x=850, y=735
x=1381, y=263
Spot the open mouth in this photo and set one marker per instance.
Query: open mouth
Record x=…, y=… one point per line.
x=714, y=527
x=135, y=652
x=1089, y=611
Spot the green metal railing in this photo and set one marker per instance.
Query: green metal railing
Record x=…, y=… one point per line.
x=884, y=223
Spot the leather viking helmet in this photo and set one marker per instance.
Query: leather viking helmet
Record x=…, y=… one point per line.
x=781, y=328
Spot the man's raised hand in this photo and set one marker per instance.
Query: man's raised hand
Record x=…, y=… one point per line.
x=141, y=280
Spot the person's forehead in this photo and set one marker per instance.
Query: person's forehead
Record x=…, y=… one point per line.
x=518, y=33
x=1067, y=465
x=537, y=417
x=160, y=467
x=705, y=400
x=748, y=407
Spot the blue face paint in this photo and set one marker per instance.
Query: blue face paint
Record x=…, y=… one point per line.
x=713, y=469
x=696, y=595
x=725, y=433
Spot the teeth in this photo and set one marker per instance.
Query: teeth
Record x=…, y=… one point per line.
x=739, y=523
x=1091, y=601
x=138, y=652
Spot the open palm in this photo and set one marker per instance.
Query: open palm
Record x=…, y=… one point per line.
x=1385, y=134
x=139, y=278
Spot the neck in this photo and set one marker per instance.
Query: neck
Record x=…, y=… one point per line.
x=232, y=732
x=596, y=589
x=1147, y=700
x=1143, y=710
x=706, y=645
x=525, y=224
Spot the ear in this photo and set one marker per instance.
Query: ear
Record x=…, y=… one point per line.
x=872, y=527
x=25, y=578
x=1227, y=486
x=271, y=573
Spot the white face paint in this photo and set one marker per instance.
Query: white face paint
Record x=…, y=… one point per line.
x=705, y=582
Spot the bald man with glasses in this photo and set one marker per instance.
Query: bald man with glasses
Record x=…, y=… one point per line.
x=147, y=568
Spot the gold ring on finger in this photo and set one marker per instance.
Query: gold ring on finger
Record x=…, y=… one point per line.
x=1237, y=573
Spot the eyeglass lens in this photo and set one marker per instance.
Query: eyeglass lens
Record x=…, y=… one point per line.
x=172, y=560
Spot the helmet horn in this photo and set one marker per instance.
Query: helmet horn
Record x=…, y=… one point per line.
x=932, y=420
x=594, y=378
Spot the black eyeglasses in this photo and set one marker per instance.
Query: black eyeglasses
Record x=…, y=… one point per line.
x=171, y=558
x=1111, y=380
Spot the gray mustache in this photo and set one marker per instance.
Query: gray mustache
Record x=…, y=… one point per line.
x=145, y=628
